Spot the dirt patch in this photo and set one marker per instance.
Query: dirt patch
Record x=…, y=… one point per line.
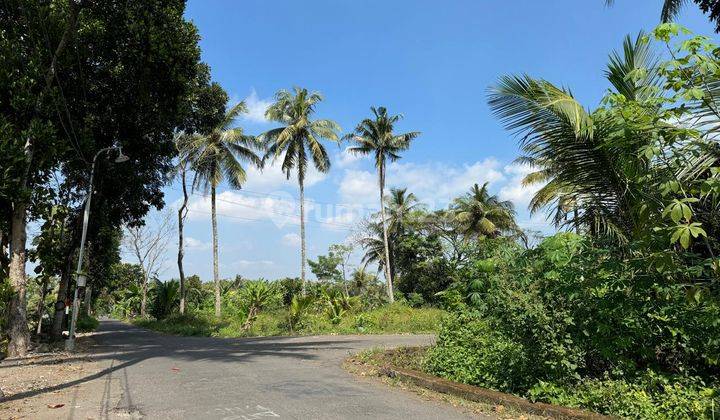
x=48, y=385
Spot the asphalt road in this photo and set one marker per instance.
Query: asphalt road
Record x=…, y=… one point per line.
x=153, y=375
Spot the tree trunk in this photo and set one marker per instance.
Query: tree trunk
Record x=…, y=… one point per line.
x=19, y=332
x=388, y=276
x=143, y=300
x=41, y=305
x=63, y=287
x=216, y=274
x=302, y=236
x=182, y=212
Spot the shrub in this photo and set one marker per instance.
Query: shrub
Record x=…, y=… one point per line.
x=188, y=324
x=648, y=397
x=415, y=300
x=86, y=323
x=469, y=351
x=299, y=305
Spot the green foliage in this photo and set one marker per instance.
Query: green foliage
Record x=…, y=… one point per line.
x=574, y=317
x=6, y=294
x=396, y=318
x=649, y=397
x=469, y=350
x=86, y=323
x=415, y=300
x=299, y=305
x=165, y=298
x=189, y=324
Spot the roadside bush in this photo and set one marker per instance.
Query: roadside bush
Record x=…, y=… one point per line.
x=468, y=350
x=649, y=397
x=415, y=300
x=584, y=324
x=189, y=324
x=86, y=323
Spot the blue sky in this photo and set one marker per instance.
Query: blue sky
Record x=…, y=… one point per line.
x=431, y=61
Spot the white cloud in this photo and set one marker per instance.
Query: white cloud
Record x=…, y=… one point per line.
x=345, y=159
x=291, y=240
x=514, y=190
x=272, y=177
x=237, y=207
x=439, y=183
x=359, y=187
x=256, y=107
x=196, y=244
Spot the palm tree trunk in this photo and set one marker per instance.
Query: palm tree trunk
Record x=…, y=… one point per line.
x=182, y=212
x=302, y=236
x=388, y=276
x=216, y=274
x=19, y=332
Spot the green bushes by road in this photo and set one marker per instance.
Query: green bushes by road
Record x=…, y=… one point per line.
x=396, y=318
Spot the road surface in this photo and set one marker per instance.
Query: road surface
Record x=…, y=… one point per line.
x=152, y=375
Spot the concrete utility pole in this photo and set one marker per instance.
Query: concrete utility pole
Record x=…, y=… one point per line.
x=80, y=277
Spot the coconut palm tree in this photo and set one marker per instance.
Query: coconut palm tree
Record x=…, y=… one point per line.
x=297, y=142
x=216, y=157
x=376, y=136
x=478, y=213
x=586, y=176
x=399, y=206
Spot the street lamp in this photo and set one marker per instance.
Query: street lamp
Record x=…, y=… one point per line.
x=80, y=278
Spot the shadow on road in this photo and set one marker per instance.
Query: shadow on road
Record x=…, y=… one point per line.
x=127, y=345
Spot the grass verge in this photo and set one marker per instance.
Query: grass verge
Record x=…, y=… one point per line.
x=389, y=319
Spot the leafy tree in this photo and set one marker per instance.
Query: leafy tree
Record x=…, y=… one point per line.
x=376, y=136
x=214, y=157
x=89, y=80
x=343, y=253
x=298, y=137
x=399, y=205
x=326, y=267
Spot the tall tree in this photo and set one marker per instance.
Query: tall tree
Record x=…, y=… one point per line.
x=206, y=110
x=376, y=136
x=215, y=157
x=119, y=84
x=297, y=142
